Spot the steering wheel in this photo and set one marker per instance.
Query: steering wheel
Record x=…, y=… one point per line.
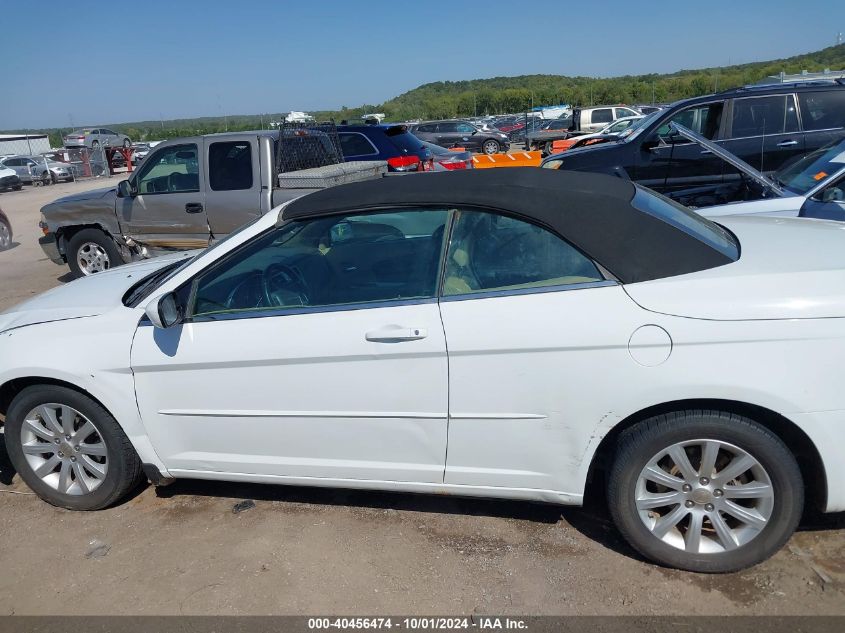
x=283, y=277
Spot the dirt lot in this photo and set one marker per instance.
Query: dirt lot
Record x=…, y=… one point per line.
x=181, y=549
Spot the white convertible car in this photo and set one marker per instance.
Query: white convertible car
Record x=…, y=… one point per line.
x=522, y=334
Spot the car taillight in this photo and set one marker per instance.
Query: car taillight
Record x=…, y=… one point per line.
x=457, y=164
x=404, y=163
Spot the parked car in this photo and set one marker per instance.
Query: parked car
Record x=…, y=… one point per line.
x=623, y=126
x=457, y=133
x=38, y=168
x=810, y=187
x=369, y=342
x=96, y=137
x=392, y=143
x=764, y=125
x=648, y=109
x=5, y=231
x=9, y=179
x=449, y=160
x=189, y=193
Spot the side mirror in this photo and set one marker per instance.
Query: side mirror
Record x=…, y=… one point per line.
x=164, y=311
x=125, y=189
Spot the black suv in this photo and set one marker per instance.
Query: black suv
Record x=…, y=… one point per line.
x=462, y=134
x=764, y=125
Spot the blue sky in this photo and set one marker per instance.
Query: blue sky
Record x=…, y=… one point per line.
x=64, y=64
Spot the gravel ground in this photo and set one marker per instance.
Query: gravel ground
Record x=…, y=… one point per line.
x=182, y=550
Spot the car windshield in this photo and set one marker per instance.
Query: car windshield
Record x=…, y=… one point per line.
x=638, y=126
x=809, y=171
x=148, y=285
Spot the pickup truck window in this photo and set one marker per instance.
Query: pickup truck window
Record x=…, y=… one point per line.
x=174, y=169
x=230, y=166
x=602, y=115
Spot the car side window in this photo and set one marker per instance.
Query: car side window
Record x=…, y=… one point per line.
x=174, y=169
x=465, y=128
x=447, y=127
x=230, y=166
x=332, y=261
x=490, y=252
x=602, y=115
x=758, y=116
x=704, y=119
x=355, y=144
x=822, y=110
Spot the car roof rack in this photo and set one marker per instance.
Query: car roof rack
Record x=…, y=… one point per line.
x=786, y=84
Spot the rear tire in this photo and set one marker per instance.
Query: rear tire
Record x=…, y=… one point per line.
x=5, y=236
x=127, y=143
x=91, y=251
x=704, y=525
x=104, y=447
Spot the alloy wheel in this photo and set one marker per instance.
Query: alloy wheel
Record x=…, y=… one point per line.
x=704, y=496
x=64, y=449
x=5, y=236
x=92, y=258
x=490, y=147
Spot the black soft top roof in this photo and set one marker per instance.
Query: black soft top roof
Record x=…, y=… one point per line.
x=591, y=211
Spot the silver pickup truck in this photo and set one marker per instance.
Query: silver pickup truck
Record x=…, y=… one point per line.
x=190, y=192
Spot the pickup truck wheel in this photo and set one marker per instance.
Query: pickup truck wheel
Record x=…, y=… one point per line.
x=5, y=236
x=68, y=449
x=91, y=251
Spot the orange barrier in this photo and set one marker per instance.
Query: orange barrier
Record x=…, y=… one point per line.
x=517, y=159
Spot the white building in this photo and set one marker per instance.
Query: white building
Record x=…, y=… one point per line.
x=26, y=144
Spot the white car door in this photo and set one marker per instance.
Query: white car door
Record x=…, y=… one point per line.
x=314, y=351
x=537, y=338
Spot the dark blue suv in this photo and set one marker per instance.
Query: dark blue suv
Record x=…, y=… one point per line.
x=394, y=143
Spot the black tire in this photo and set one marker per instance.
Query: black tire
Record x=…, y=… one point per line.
x=491, y=146
x=124, y=466
x=548, y=148
x=54, y=178
x=641, y=442
x=46, y=179
x=5, y=234
x=96, y=236
x=17, y=187
x=127, y=143
x=95, y=144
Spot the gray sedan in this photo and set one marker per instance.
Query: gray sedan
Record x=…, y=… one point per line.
x=37, y=168
x=96, y=137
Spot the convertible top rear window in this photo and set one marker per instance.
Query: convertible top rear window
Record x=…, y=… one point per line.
x=687, y=221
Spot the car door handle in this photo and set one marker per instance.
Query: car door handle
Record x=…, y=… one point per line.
x=193, y=207
x=787, y=143
x=706, y=151
x=396, y=334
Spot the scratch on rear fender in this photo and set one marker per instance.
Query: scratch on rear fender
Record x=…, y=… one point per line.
x=602, y=428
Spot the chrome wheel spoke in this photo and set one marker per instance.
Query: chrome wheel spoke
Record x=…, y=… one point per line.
x=656, y=474
x=38, y=430
x=723, y=532
x=692, y=537
x=709, y=452
x=668, y=521
x=749, y=516
x=754, y=490
x=98, y=470
x=48, y=466
x=39, y=448
x=81, y=478
x=64, y=477
x=84, y=432
x=48, y=415
x=97, y=450
x=68, y=418
x=650, y=500
x=739, y=464
x=679, y=457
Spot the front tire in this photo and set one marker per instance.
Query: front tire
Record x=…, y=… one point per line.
x=705, y=491
x=127, y=143
x=68, y=449
x=5, y=236
x=491, y=147
x=91, y=251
